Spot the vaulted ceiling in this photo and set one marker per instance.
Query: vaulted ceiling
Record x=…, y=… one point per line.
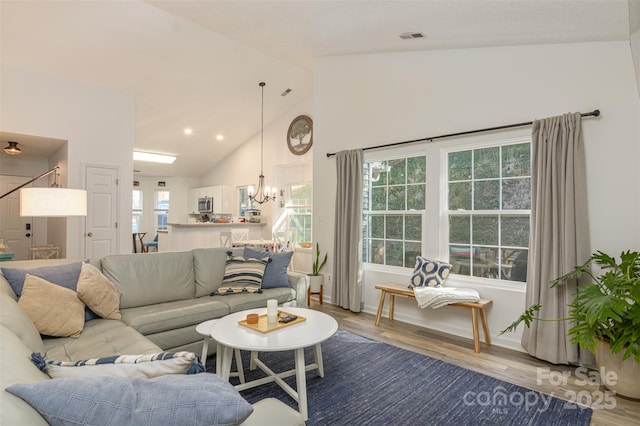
x=197, y=64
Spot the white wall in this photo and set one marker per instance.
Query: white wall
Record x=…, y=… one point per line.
x=98, y=124
x=366, y=100
x=281, y=167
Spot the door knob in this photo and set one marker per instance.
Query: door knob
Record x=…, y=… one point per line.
x=89, y=234
x=27, y=235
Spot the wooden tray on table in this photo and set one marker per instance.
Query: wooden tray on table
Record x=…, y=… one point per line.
x=263, y=325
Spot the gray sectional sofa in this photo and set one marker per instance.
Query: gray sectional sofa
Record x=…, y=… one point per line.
x=164, y=296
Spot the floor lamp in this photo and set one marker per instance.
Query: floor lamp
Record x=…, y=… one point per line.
x=52, y=201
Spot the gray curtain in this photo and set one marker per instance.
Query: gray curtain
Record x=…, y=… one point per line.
x=347, y=249
x=559, y=235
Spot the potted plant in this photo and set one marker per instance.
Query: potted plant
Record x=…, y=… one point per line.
x=316, y=280
x=606, y=317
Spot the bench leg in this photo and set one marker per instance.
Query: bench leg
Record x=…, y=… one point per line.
x=485, y=326
x=380, y=306
x=476, y=331
x=392, y=305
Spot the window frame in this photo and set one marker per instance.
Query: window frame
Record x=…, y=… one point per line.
x=160, y=212
x=139, y=213
x=444, y=204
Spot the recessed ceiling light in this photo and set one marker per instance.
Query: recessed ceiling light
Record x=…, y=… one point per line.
x=188, y=131
x=412, y=35
x=153, y=158
x=219, y=137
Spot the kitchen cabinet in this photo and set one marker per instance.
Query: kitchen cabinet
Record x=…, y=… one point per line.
x=221, y=195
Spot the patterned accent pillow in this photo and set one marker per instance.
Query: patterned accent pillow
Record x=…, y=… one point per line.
x=175, y=399
x=98, y=293
x=242, y=275
x=429, y=273
x=55, y=310
x=148, y=366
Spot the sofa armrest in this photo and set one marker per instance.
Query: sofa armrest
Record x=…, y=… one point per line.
x=300, y=283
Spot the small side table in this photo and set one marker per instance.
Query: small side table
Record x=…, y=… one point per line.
x=205, y=330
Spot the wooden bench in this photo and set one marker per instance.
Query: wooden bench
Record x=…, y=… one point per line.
x=476, y=307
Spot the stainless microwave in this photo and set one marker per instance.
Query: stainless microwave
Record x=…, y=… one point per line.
x=205, y=205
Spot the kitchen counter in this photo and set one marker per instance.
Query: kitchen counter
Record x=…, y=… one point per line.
x=188, y=236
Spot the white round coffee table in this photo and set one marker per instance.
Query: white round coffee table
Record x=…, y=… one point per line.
x=317, y=328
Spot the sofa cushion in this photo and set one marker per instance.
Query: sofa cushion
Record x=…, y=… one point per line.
x=150, y=278
x=241, y=302
x=208, y=265
x=15, y=319
x=149, y=365
x=168, y=400
x=54, y=310
x=99, y=338
x=171, y=315
x=275, y=275
x=98, y=293
x=16, y=367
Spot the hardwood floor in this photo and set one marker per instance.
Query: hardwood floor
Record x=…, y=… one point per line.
x=505, y=364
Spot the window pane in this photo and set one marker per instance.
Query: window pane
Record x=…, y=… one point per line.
x=378, y=173
x=394, y=255
x=515, y=265
x=485, y=262
x=394, y=227
x=460, y=229
x=379, y=198
x=486, y=195
x=377, y=251
x=411, y=251
x=515, y=231
x=398, y=173
x=485, y=230
x=377, y=226
x=460, y=196
x=460, y=259
x=486, y=163
x=416, y=169
x=460, y=165
x=415, y=197
x=162, y=200
x=516, y=194
x=397, y=196
x=137, y=199
x=413, y=227
x=516, y=160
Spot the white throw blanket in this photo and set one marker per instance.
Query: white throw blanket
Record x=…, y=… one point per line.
x=437, y=297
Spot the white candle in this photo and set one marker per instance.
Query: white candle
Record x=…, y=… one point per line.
x=272, y=311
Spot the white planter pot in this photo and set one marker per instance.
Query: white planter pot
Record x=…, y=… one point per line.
x=627, y=372
x=315, y=283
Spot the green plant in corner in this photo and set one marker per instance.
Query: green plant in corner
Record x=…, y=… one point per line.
x=317, y=265
x=606, y=309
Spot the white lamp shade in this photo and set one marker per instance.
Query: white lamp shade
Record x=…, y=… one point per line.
x=53, y=202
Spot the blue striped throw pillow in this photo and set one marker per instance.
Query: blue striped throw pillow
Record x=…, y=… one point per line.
x=243, y=275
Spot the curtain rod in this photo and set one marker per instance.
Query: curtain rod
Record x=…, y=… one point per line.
x=594, y=113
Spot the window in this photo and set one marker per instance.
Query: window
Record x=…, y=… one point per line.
x=489, y=206
x=161, y=209
x=394, y=197
x=299, y=212
x=137, y=210
x=244, y=202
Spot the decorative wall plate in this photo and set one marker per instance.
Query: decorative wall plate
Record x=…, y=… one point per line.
x=300, y=135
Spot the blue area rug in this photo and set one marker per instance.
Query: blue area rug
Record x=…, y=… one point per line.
x=371, y=383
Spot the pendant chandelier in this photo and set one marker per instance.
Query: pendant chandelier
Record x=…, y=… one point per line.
x=263, y=193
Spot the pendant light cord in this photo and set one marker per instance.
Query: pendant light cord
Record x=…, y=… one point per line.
x=262, y=84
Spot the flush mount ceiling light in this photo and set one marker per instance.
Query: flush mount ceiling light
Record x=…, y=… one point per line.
x=12, y=149
x=153, y=158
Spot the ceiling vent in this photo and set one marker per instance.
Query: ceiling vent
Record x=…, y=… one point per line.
x=411, y=35
x=286, y=92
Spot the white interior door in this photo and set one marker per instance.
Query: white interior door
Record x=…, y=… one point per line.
x=101, y=233
x=16, y=231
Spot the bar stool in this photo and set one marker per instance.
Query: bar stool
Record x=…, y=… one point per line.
x=205, y=330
